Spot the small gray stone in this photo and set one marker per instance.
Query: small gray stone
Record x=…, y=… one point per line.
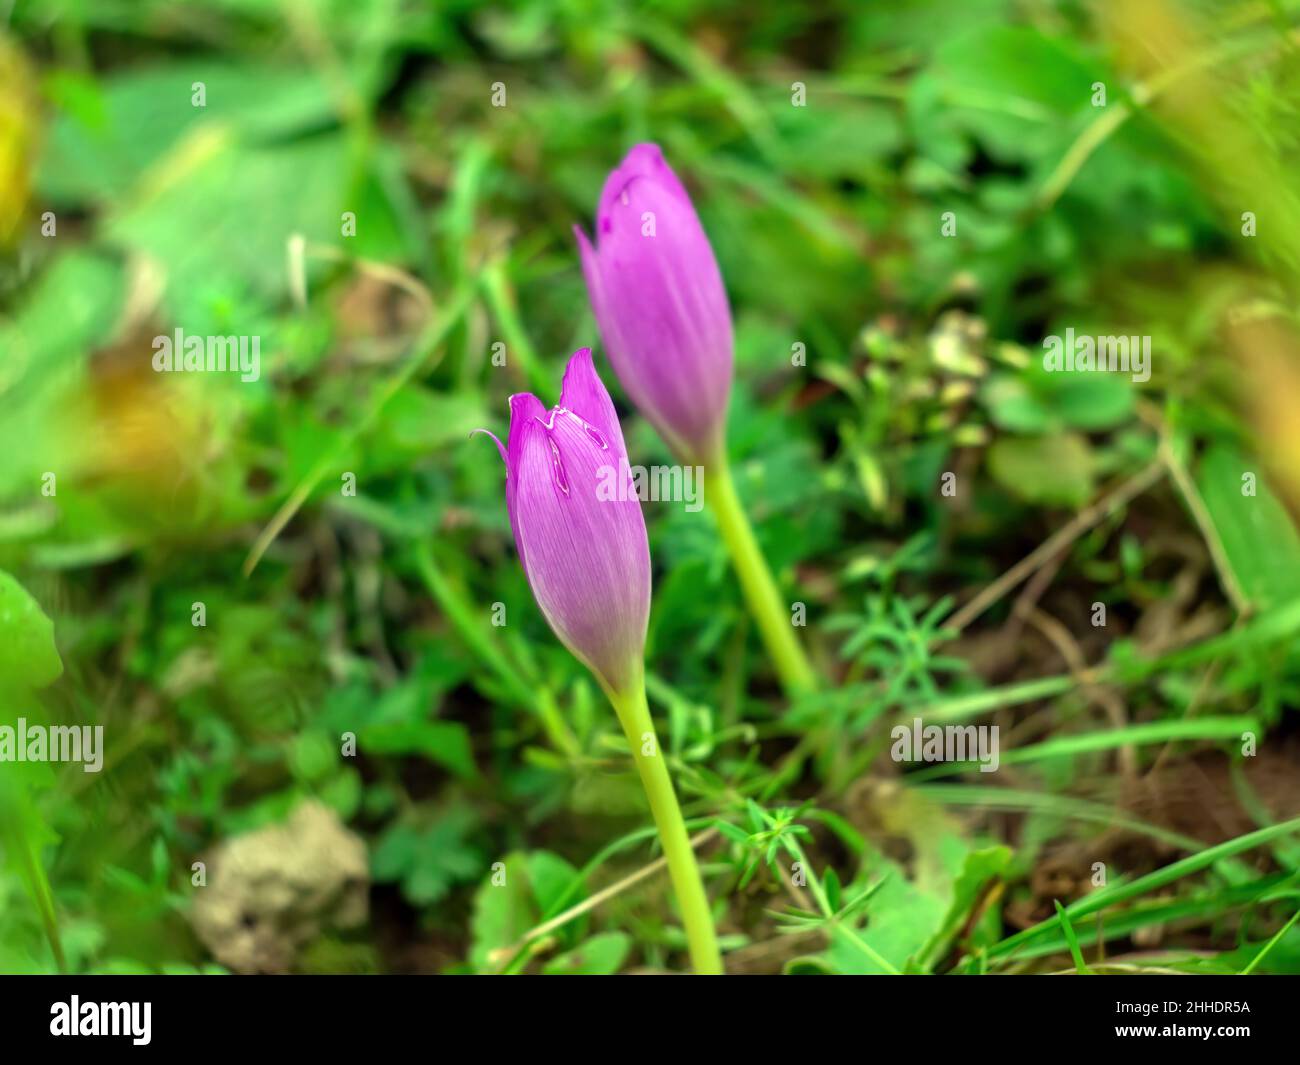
x=273, y=891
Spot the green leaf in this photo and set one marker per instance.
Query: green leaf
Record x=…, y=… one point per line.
x=1035, y=401
x=1071, y=938
x=28, y=656
x=219, y=224
x=444, y=742
x=1089, y=401
x=419, y=420
x=1051, y=470
x=831, y=885
x=1014, y=405
x=517, y=897
x=28, y=660
x=601, y=955
x=900, y=918
x=552, y=878
x=1010, y=87
x=1258, y=536
x=104, y=138
x=312, y=755
x=980, y=867
x=736, y=835
x=429, y=858
x=503, y=911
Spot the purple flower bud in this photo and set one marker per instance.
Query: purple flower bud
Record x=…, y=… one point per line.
x=585, y=554
x=660, y=304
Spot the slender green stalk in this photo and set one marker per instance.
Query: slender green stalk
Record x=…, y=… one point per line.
x=1270, y=944
x=525, y=690
x=1071, y=939
x=634, y=715
x=501, y=299
x=765, y=603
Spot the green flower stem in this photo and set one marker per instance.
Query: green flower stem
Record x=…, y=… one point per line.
x=634, y=715
x=524, y=690
x=765, y=603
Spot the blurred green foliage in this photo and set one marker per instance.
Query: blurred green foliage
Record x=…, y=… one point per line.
x=329, y=613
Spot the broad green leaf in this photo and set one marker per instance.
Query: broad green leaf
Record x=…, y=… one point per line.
x=218, y=218
x=1014, y=405
x=444, y=742
x=312, y=755
x=904, y=912
x=1008, y=87
x=1090, y=401
x=981, y=866
x=28, y=656
x=1035, y=401
x=1258, y=536
x=28, y=660
x=601, y=955
x=1052, y=470
x=419, y=421
x=552, y=877
x=106, y=136
x=514, y=899
x=503, y=911
x=901, y=917
x=429, y=854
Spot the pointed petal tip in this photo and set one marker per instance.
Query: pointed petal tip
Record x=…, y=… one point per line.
x=644, y=152
x=644, y=162
x=580, y=378
x=524, y=404
x=584, y=393
x=525, y=408
x=581, y=366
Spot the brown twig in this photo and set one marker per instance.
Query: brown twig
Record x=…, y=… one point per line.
x=1068, y=648
x=1054, y=544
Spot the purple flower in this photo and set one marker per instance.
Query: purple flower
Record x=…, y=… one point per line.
x=583, y=549
x=660, y=304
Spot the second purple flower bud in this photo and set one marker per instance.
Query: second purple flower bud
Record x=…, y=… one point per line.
x=660, y=304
